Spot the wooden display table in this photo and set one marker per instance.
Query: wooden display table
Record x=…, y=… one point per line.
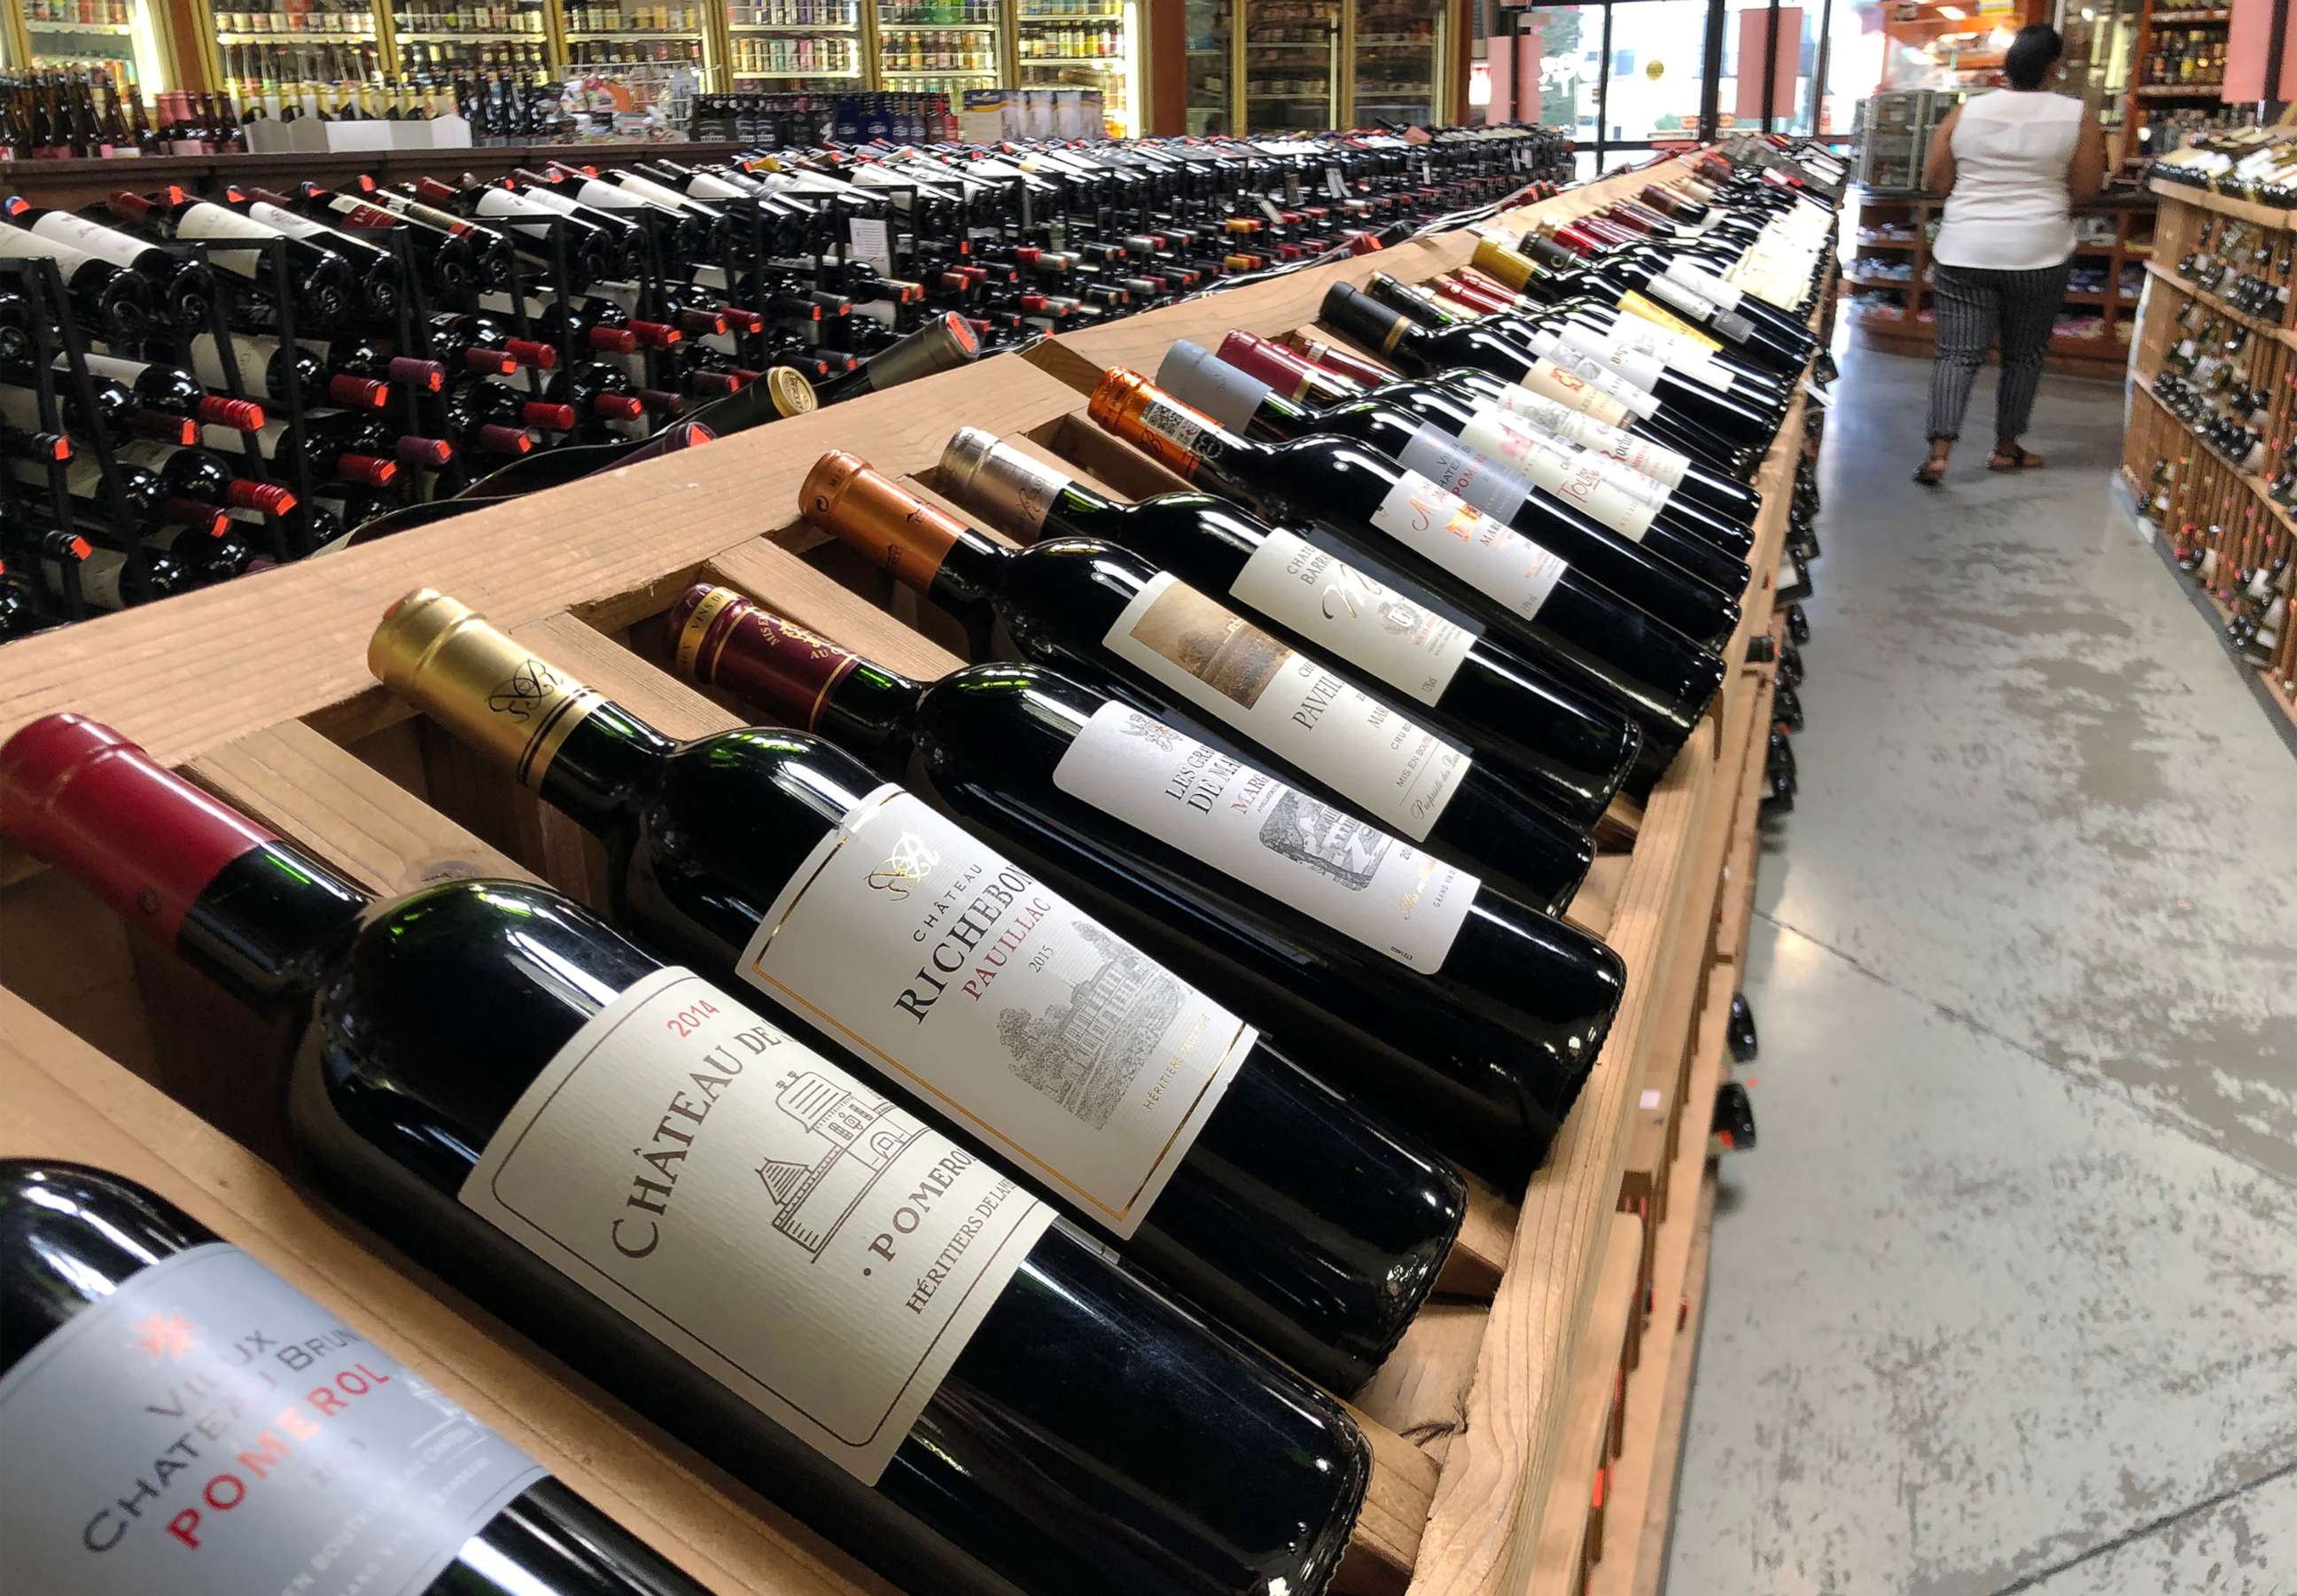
x=1491, y=1422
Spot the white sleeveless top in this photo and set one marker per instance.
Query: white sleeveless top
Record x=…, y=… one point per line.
x=2009, y=210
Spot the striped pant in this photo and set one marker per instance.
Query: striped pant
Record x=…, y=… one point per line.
x=1975, y=304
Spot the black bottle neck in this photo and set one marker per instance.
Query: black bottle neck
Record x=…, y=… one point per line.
x=611, y=764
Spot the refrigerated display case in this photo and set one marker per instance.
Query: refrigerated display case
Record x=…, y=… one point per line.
x=1396, y=54
x=940, y=47
x=119, y=39
x=259, y=51
x=1291, y=65
x=785, y=46
x=603, y=35
x=1083, y=44
x=1214, y=71
x=441, y=38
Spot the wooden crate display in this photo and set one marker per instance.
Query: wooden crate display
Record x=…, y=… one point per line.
x=2221, y=521
x=1509, y=1397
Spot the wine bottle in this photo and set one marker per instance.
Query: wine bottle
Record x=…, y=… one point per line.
x=344, y=443
x=114, y=411
x=452, y=263
x=319, y=280
x=312, y=1446
x=943, y=344
x=382, y=282
x=491, y=250
x=1639, y=547
x=144, y=499
x=113, y=301
x=281, y=372
x=1727, y=507
x=764, y=854
x=1440, y=1003
x=172, y=390
x=590, y=251
x=182, y=288
x=1423, y=352
x=1568, y=751
x=847, y=1311
x=1583, y=630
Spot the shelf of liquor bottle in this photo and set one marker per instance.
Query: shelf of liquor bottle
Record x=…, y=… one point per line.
x=853, y=77
x=940, y=72
x=683, y=34
x=2249, y=210
x=1107, y=63
x=2214, y=13
x=2180, y=91
x=1053, y=19
x=811, y=29
x=1395, y=38
x=110, y=29
x=2280, y=334
x=2257, y=485
x=297, y=40
x=474, y=38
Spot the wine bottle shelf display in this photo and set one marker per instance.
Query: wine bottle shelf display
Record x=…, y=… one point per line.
x=342, y=782
x=2211, y=454
x=1892, y=304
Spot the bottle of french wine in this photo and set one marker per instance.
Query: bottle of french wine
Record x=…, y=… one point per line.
x=1443, y=1004
x=320, y=281
x=182, y=287
x=1365, y=498
x=113, y=300
x=172, y=390
x=846, y=1309
x=1142, y=1106
x=277, y=371
x=1107, y=617
x=1640, y=547
x=313, y=1445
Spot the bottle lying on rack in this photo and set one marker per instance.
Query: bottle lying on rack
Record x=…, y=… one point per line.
x=320, y=283
x=110, y=297
x=1104, y=615
x=1568, y=752
x=1434, y=1000
x=113, y=1299
x=1611, y=525
x=1594, y=638
x=848, y=1311
x=786, y=863
x=182, y=289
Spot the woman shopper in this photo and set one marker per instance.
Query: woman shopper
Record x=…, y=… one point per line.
x=2013, y=164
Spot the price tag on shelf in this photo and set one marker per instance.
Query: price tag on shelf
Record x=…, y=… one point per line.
x=1335, y=185
x=866, y=237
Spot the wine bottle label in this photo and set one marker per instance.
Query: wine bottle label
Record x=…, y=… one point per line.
x=125, y=372
x=1613, y=385
x=1548, y=380
x=1318, y=861
x=358, y=213
x=1671, y=350
x=1395, y=771
x=210, y=221
x=1490, y=556
x=1351, y=617
x=1658, y=316
x=107, y=244
x=1701, y=310
x=208, y=1430
x=1440, y=457
x=104, y=579
x=17, y=244
x=817, y=1252
x=701, y=186
x=1644, y=371
x=499, y=204
x=1706, y=284
x=1088, y=1067
x=1662, y=464
x=1593, y=483
x=1172, y=434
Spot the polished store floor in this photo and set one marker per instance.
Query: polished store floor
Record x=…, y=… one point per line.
x=2006, y=1299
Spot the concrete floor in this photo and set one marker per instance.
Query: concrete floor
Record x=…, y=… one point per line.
x=2007, y=1300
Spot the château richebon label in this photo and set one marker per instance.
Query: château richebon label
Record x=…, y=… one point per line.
x=819, y=1252
x=1322, y=861
x=208, y=1428
x=1088, y=1064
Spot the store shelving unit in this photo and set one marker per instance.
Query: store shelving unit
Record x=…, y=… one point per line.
x=940, y=46
x=1215, y=65
x=1093, y=44
x=442, y=38
x=776, y=46
x=2198, y=502
x=2116, y=241
x=125, y=40
x=336, y=41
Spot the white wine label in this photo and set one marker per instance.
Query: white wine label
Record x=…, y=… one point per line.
x=1600, y=377
x=1490, y=557
x=1548, y=380
x=208, y=1430
x=1701, y=310
x=107, y=244
x=17, y=244
x=1662, y=464
x=516, y=211
x=608, y=196
x=288, y=222
x=1645, y=308
x=1090, y=1067
x=1351, y=617
x=1644, y=371
x=1444, y=460
x=1588, y=482
x=1299, y=709
x=1318, y=861
x=701, y=186
x=107, y=366
x=1706, y=284
x=210, y=221
x=817, y=1252
x=104, y=578
x=1672, y=350
x=253, y=352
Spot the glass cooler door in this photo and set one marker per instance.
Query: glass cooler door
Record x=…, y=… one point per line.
x=1292, y=66
x=618, y=38
x=262, y=51
x=940, y=47
x=442, y=39
x=1214, y=72
x=785, y=46
x=1397, y=54
x=1092, y=44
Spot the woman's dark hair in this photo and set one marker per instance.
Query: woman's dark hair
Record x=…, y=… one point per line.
x=2031, y=54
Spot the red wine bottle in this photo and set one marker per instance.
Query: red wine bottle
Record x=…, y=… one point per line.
x=1618, y=534
x=1107, y=617
x=491, y=250
x=111, y=1297
x=182, y=289
x=144, y=500
x=943, y=344
x=757, y=854
x=1570, y=752
x=591, y=253
x=452, y=263
x=344, y=443
x=847, y=1311
x=482, y=344
x=1730, y=504
x=113, y=300
x=1441, y=1004
x=382, y=281
x=320, y=281
x=115, y=410
x=280, y=372
x=172, y=390
x=1583, y=630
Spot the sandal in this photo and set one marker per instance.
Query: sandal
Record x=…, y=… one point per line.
x=1929, y=474
x=2013, y=458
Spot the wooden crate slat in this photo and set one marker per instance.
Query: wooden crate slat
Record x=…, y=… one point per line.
x=1584, y=1447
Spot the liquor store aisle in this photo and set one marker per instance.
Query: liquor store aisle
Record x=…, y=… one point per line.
x=2003, y=1303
